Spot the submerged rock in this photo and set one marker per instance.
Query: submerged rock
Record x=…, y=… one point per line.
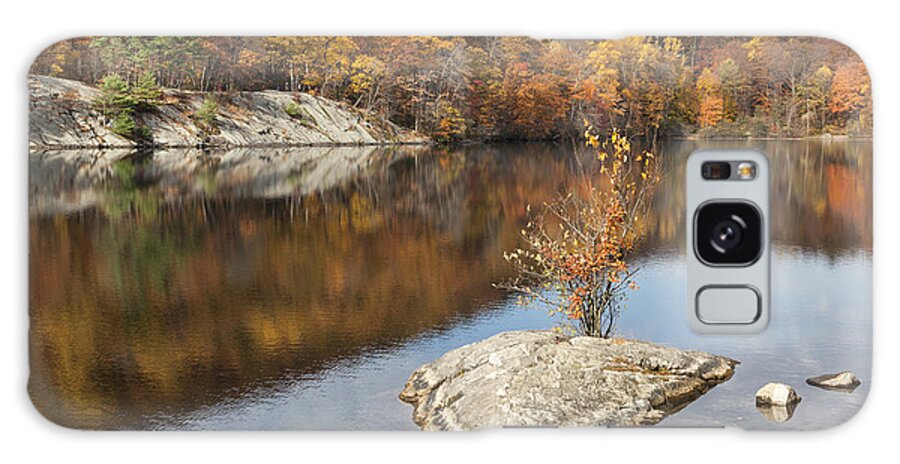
x=842, y=381
x=776, y=394
x=538, y=378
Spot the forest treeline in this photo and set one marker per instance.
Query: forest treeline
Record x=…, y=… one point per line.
x=503, y=88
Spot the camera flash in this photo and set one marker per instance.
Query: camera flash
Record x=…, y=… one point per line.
x=746, y=170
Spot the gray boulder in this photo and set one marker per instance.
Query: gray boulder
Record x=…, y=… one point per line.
x=842, y=381
x=539, y=378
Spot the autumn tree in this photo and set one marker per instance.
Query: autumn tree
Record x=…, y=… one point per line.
x=730, y=80
x=366, y=80
x=851, y=94
x=578, y=248
x=712, y=105
x=636, y=81
x=537, y=103
x=450, y=123
x=68, y=58
x=815, y=91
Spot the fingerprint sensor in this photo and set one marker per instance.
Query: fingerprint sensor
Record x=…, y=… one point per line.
x=728, y=304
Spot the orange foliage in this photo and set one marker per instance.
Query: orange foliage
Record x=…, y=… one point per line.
x=539, y=102
x=712, y=110
x=850, y=88
x=712, y=104
x=515, y=87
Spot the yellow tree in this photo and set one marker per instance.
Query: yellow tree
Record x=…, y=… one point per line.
x=450, y=123
x=366, y=79
x=577, y=254
x=712, y=108
x=638, y=78
x=602, y=89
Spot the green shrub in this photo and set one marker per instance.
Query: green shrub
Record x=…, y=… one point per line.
x=114, y=96
x=296, y=111
x=145, y=92
x=292, y=109
x=124, y=125
x=120, y=102
x=206, y=115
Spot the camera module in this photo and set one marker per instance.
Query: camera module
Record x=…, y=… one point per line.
x=728, y=233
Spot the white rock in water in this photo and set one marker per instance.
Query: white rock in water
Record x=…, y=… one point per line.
x=841, y=381
x=777, y=394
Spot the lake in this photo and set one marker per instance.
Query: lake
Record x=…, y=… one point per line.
x=298, y=288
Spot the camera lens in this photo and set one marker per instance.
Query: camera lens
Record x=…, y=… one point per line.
x=716, y=170
x=728, y=233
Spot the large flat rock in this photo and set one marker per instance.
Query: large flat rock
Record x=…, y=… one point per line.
x=539, y=378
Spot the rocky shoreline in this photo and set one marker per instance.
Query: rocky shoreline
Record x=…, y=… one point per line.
x=539, y=378
x=63, y=116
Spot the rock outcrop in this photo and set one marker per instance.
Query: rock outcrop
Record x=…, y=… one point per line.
x=539, y=378
x=62, y=115
x=842, y=381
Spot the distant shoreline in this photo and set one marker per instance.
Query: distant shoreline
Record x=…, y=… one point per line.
x=823, y=138
x=458, y=144
x=63, y=116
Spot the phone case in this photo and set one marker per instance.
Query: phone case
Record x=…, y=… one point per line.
x=439, y=233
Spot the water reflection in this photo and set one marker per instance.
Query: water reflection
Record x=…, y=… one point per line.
x=777, y=414
x=297, y=288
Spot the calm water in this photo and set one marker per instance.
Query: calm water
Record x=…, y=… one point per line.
x=272, y=289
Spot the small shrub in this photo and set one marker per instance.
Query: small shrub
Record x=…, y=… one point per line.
x=206, y=115
x=577, y=256
x=295, y=111
x=124, y=125
x=142, y=133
